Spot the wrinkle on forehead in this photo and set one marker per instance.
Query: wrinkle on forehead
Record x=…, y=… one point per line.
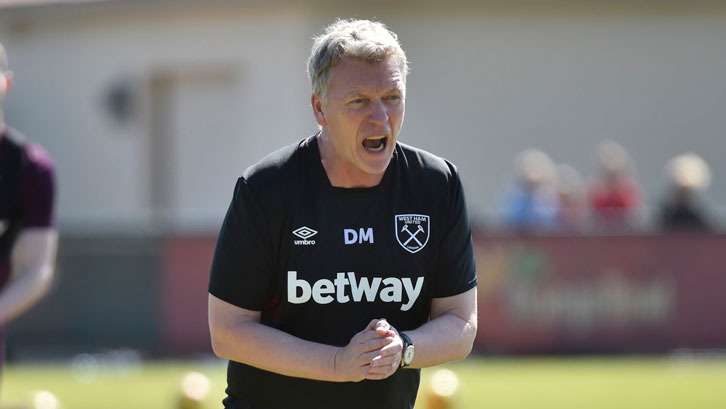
x=367, y=91
x=357, y=79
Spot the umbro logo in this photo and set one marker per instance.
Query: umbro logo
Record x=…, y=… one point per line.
x=304, y=233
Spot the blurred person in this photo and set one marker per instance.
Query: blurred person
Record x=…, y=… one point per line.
x=688, y=176
x=28, y=236
x=572, y=211
x=531, y=203
x=613, y=195
x=345, y=261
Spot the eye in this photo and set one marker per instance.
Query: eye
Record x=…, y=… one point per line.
x=356, y=102
x=393, y=99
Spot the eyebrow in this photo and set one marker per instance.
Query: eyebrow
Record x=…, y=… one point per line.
x=359, y=91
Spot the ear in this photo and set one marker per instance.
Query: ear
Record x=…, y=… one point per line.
x=7, y=76
x=317, y=105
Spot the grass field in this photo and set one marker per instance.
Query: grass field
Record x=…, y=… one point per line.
x=505, y=383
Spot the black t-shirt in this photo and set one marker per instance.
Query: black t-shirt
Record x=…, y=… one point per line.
x=307, y=254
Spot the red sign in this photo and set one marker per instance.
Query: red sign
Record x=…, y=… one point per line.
x=601, y=294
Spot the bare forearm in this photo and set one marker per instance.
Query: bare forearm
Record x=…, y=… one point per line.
x=272, y=350
x=446, y=338
x=33, y=261
x=24, y=291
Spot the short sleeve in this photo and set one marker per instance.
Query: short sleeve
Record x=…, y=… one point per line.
x=37, y=190
x=241, y=272
x=456, y=270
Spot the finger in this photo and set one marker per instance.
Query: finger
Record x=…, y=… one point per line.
x=367, y=352
x=385, y=361
x=373, y=335
x=382, y=323
x=368, y=357
x=391, y=348
x=367, y=334
x=385, y=332
x=376, y=376
x=381, y=372
x=372, y=325
x=371, y=339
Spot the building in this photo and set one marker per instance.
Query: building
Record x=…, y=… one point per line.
x=151, y=109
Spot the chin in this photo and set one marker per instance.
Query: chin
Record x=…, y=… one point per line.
x=378, y=168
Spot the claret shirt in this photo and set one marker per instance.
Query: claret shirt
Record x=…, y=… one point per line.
x=320, y=262
x=26, y=192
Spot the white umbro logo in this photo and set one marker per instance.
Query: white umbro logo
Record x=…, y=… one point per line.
x=304, y=233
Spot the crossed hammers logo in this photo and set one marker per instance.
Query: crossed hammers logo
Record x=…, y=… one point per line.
x=412, y=236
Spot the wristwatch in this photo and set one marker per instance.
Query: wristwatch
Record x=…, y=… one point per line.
x=408, y=350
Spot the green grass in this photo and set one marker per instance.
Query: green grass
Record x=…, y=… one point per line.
x=512, y=383
x=593, y=383
x=154, y=385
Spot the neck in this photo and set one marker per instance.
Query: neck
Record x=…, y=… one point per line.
x=340, y=173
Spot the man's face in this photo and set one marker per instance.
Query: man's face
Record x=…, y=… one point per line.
x=361, y=118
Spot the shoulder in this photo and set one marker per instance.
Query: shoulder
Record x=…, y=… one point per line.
x=38, y=171
x=37, y=158
x=32, y=156
x=275, y=166
x=35, y=163
x=424, y=164
x=276, y=173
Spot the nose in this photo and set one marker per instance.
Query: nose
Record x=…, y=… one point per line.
x=379, y=112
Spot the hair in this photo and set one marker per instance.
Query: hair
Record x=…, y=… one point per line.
x=613, y=158
x=360, y=39
x=534, y=167
x=3, y=59
x=689, y=171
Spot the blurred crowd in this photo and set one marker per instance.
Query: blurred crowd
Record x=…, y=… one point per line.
x=555, y=198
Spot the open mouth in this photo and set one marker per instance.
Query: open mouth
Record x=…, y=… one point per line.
x=375, y=143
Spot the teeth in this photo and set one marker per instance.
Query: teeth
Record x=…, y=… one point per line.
x=380, y=139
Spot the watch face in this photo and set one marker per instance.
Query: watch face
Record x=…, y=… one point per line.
x=408, y=355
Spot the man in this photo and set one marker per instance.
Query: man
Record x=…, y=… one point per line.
x=345, y=261
x=27, y=234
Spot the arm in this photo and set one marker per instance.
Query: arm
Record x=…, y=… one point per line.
x=238, y=335
x=33, y=260
x=449, y=336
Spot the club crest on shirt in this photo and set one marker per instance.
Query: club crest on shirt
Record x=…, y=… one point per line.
x=412, y=231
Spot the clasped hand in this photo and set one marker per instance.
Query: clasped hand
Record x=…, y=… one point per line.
x=374, y=353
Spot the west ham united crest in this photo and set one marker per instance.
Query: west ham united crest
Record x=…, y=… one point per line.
x=412, y=231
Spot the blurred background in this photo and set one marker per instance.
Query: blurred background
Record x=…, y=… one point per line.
x=589, y=136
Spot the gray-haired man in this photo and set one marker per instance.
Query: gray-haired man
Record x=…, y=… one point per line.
x=345, y=261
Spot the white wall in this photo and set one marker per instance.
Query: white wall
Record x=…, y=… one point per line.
x=484, y=87
x=486, y=83
x=65, y=63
